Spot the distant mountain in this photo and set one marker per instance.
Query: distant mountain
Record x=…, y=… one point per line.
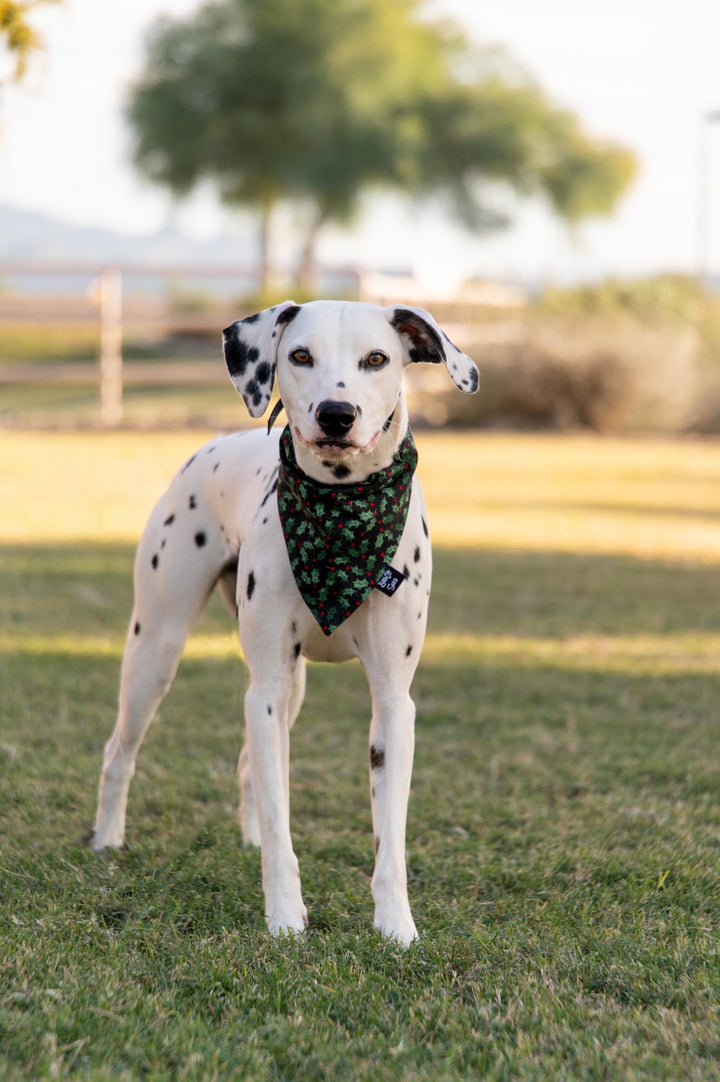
x=26, y=236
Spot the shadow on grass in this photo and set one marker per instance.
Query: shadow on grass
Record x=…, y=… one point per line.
x=479, y=716
x=84, y=589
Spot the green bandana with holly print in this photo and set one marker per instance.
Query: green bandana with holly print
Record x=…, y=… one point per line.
x=341, y=538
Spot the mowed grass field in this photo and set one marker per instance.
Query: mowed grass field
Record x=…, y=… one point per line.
x=564, y=826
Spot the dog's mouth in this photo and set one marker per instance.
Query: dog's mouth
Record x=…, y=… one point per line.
x=329, y=442
x=335, y=446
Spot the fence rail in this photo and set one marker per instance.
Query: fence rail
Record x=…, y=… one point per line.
x=89, y=297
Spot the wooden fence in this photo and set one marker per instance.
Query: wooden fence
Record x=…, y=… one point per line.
x=97, y=299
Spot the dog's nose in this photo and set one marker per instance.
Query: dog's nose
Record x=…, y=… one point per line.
x=335, y=418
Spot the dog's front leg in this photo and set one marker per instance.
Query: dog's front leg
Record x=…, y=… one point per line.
x=267, y=734
x=392, y=745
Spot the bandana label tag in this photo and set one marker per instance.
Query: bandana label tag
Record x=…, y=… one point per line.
x=390, y=581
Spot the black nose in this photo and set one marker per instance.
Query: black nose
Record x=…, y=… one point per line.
x=335, y=418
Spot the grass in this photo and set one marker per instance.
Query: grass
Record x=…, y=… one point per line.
x=564, y=829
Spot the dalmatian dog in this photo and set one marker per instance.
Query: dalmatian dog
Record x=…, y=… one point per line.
x=338, y=367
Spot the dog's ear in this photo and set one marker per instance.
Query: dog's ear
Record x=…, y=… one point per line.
x=250, y=346
x=424, y=341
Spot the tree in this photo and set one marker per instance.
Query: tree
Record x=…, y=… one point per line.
x=17, y=35
x=282, y=100
x=312, y=101
x=504, y=131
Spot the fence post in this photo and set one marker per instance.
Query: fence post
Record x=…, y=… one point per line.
x=111, y=383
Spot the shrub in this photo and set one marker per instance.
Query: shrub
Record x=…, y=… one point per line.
x=638, y=356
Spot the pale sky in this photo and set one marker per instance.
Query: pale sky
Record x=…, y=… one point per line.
x=643, y=72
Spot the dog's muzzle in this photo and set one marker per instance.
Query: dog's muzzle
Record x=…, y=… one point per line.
x=335, y=419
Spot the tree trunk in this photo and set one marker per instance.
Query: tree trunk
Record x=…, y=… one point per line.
x=264, y=279
x=307, y=267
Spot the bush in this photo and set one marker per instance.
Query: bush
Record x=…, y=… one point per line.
x=619, y=357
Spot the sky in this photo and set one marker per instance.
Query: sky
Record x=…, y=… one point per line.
x=645, y=73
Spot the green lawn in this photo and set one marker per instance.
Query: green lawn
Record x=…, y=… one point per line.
x=564, y=827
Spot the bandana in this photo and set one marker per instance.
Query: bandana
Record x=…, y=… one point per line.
x=341, y=538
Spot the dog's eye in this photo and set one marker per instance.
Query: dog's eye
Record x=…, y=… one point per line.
x=301, y=357
x=376, y=359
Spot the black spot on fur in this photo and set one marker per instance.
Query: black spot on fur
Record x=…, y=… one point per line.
x=136, y=629
x=377, y=845
x=192, y=503
x=215, y=467
x=474, y=381
x=425, y=527
x=406, y=571
x=340, y=471
x=296, y=649
x=252, y=393
x=200, y=539
x=269, y=710
x=250, y=586
x=289, y=314
x=188, y=463
x=416, y=554
x=169, y=520
x=377, y=757
x=251, y=319
x=237, y=352
x=340, y=384
x=263, y=372
x=426, y=344
x=408, y=651
x=155, y=561
x=293, y=627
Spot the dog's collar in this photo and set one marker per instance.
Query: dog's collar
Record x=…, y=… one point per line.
x=341, y=538
x=277, y=409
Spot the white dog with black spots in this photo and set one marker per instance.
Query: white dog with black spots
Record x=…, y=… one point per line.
x=338, y=367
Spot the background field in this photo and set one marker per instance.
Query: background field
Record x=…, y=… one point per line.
x=564, y=829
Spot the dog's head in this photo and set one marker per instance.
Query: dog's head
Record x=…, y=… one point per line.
x=339, y=369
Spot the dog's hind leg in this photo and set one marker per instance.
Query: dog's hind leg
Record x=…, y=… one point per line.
x=248, y=806
x=173, y=579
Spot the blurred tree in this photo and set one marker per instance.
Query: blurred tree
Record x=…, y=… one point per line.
x=500, y=130
x=311, y=101
x=17, y=36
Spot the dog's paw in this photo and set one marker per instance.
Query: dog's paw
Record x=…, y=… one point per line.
x=398, y=926
x=100, y=843
x=287, y=919
x=282, y=924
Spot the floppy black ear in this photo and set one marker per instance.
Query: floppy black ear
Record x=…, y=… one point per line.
x=424, y=341
x=250, y=347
